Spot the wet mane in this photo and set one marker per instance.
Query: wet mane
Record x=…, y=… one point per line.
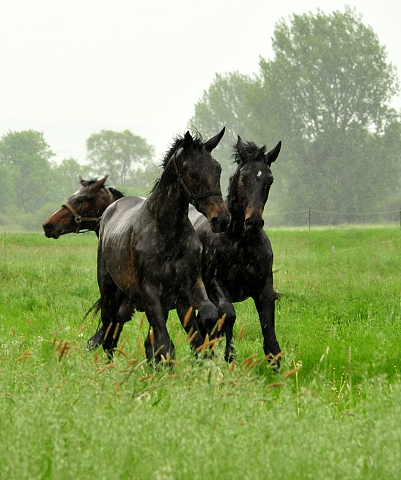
x=254, y=153
x=116, y=193
x=91, y=181
x=179, y=142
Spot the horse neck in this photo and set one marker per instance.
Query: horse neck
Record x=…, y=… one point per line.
x=236, y=227
x=165, y=203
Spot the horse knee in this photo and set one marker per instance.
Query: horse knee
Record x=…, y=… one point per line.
x=227, y=309
x=208, y=316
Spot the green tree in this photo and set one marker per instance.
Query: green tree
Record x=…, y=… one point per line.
x=8, y=194
x=25, y=156
x=327, y=95
x=121, y=155
x=227, y=103
x=333, y=87
x=67, y=177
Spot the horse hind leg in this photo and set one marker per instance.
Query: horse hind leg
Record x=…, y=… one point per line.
x=125, y=310
x=107, y=306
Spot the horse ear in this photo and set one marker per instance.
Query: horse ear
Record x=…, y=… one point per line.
x=188, y=141
x=98, y=184
x=241, y=149
x=214, y=141
x=82, y=181
x=273, y=154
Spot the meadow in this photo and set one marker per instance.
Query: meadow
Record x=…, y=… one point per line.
x=332, y=412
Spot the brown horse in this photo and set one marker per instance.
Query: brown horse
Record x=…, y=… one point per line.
x=237, y=264
x=83, y=209
x=149, y=257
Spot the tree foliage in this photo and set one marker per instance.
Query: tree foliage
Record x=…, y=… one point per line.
x=327, y=95
x=119, y=154
x=334, y=71
x=25, y=159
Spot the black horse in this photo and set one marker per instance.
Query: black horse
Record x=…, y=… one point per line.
x=237, y=264
x=83, y=209
x=149, y=257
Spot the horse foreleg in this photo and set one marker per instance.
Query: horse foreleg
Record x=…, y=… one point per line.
x=189, y=322
x=227, y=312
x=207, y=311
x=158, y=343
x=265, y=305
x=227, y=317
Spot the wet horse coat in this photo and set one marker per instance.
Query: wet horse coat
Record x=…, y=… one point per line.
x=149, y=257
x=237, y=264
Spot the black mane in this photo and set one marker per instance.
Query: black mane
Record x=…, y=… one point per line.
x=179, y=142
x=116, y=193
x=254, y=153
x=88, y=183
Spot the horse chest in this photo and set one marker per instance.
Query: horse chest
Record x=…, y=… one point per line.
x=240, y=268
x=173, y=264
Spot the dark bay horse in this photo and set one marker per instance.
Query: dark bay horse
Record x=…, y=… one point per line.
x=237, y=264
x=83, y=209
x=149, y=257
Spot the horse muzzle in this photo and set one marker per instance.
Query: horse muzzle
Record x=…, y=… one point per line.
x=220, y=222
x=51, y=231
x=254, y=224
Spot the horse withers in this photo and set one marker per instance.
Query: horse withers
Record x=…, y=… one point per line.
x=237, y=264
x=83, y=209
x=149, y=256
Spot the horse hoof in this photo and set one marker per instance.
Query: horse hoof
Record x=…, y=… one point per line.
x=95, y=341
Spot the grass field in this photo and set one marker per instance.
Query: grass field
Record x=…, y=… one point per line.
x=333, y=412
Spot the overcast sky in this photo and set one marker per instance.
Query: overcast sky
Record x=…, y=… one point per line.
x=72, y=68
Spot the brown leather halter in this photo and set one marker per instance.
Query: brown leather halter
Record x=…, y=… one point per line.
x=79, y=218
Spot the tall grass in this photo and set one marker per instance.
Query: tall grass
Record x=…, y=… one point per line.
x=332, y=412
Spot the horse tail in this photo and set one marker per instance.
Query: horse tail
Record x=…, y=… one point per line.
x=94, y=310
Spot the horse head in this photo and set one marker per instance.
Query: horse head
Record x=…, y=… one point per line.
x=250, y=185
x=82, y=211
x=198, y=176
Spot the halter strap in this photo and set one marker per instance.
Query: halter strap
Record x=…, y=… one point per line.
x=193, y=197
x=79, y=218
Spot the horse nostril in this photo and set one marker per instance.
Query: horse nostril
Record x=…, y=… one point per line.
x=47, y=226
x=219, y=223
x=254, y=224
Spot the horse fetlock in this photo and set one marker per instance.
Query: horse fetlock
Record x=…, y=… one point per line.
x=161, y=353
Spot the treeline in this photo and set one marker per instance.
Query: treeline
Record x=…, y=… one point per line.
x=327, y=95
x=32, y=186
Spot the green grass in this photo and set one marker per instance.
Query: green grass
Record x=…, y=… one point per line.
x=68, y=414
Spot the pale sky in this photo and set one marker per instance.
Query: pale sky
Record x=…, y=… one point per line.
x=72, y=68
